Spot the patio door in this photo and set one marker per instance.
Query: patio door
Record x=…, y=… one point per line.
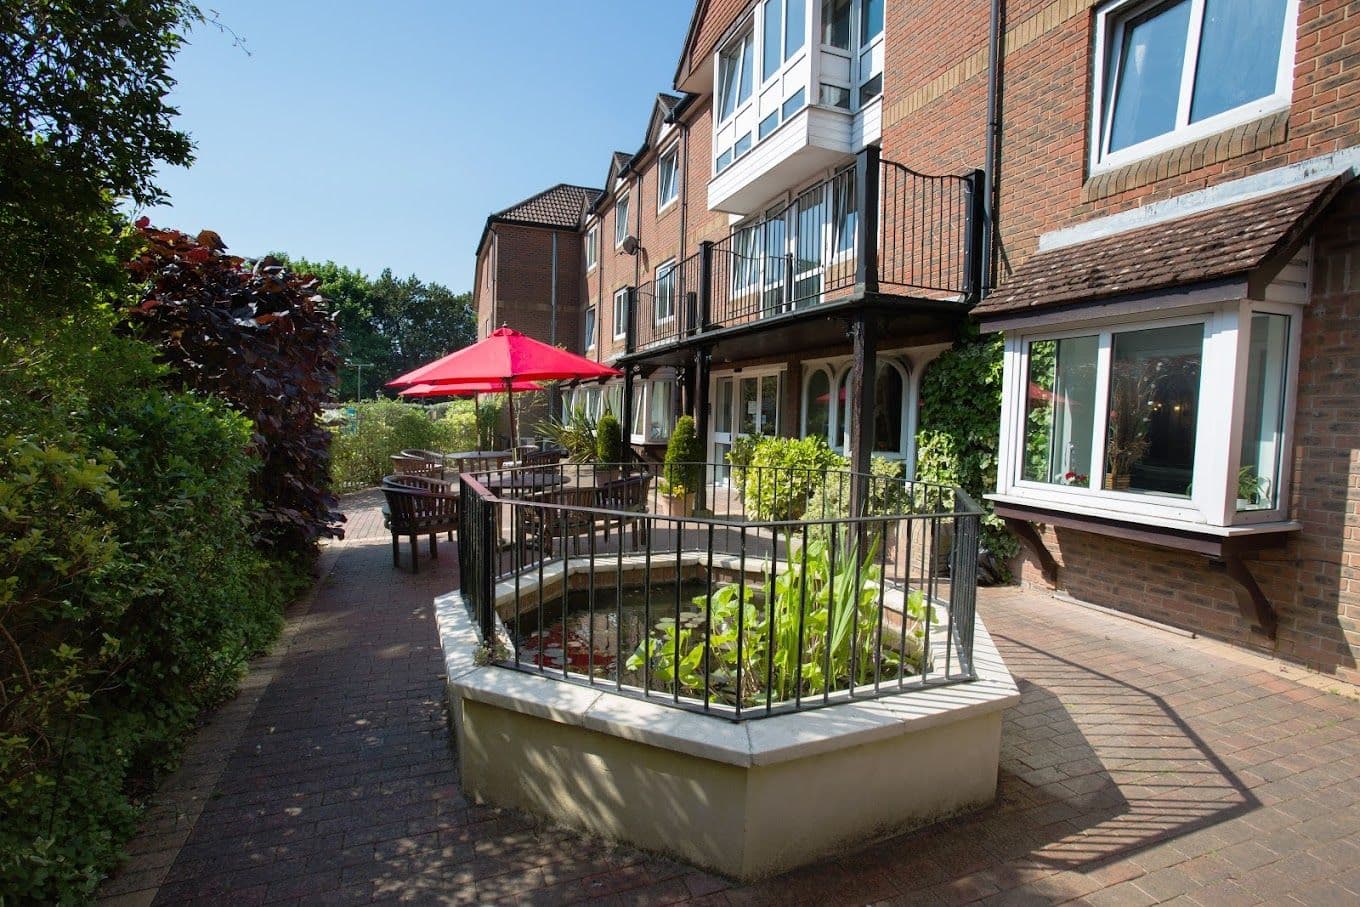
x=743, y=406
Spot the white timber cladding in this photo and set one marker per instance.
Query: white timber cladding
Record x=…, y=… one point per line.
x=1114, y=41
x=809, y=106
x=1212, y=501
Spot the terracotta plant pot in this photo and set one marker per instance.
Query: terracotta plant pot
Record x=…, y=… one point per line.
x=680, y=505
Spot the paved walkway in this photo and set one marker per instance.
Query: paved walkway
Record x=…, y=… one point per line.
x=1140, y=767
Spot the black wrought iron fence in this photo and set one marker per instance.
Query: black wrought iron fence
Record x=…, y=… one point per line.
x=927, y=231
x=773, y=599
x=667, y=308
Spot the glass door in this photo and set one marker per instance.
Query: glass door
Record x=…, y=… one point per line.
x=722, y=427
x=743, y=406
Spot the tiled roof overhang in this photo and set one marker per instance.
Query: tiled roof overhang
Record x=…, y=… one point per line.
x=1242, y=245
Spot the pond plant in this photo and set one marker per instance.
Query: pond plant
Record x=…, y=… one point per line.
x=812, y=628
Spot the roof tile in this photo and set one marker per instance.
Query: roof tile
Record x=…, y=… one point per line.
x=1220, y=243
x=560, y=206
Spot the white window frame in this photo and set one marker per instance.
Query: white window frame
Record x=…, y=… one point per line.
x=748, y=36
x=620, y=313
x=671, y=154
x=1110, y=21
x=592, y=326
x=621, y=231
x=666, y=269
x=1212, y=503
x=592, y=247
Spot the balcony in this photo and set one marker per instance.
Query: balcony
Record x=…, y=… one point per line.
x=919, y=241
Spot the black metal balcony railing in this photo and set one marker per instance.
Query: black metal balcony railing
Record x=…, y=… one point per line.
x=578, y=573
x=921, y=237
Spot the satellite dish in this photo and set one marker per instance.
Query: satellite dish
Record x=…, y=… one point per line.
x=630, y=244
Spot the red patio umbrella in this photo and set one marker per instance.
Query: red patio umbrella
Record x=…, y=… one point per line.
x=506, y=356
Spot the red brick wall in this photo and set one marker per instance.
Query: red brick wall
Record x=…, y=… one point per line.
x=935, y=112
x=523, y=282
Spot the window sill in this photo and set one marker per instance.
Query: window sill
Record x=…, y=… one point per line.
x=1195, y=154
x=666, y=208
x=1116, y=522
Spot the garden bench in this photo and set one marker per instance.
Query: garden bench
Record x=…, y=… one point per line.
x=418, y=505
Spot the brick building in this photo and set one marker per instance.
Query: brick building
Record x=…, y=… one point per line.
x=1152, y=200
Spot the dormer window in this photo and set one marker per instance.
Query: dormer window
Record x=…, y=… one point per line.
x=1172, y=72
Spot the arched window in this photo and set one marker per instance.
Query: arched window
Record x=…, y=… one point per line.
x=817, y=405
x=888, y=394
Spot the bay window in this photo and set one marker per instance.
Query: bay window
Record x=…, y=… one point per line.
x=734, y=76
x=1178, y=419
x=1174, y=71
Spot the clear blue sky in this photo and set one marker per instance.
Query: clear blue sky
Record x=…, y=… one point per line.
x=381, y=134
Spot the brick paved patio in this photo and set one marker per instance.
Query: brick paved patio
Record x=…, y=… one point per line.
x=1140, y=767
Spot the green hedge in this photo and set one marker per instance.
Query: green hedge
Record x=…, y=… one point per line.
x=362, y=446
x=134, y=597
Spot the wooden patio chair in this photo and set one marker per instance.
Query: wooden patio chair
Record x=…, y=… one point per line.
x=543, y=458
x=540, y=525
x=405, y=465
x=629, y=496
x=418, y=505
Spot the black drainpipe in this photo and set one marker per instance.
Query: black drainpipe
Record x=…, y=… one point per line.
x=989, y=167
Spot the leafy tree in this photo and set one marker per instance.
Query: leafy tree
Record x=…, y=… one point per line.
x=391, y=324
x=260, y=337
x=83, y=120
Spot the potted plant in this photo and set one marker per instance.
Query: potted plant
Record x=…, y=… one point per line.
x=608, y=446
x=683, y=470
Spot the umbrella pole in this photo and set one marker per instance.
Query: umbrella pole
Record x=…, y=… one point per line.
x=477, y=419
x=514, y=434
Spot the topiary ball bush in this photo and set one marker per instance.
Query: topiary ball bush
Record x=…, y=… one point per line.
x=608, y=440
x=684, y=465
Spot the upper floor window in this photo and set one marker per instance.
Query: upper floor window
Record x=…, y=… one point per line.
x=592, y=246
x=1171, y=72
x=620, y=314
x=836, y=23
x=590, y=327
x=665, y=292
x=734, y=76
x=620, y=220
x=668, y=178
x=784, y=26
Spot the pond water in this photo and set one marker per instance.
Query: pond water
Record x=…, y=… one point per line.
x=614, y=631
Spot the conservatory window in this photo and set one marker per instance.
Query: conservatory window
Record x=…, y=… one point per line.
x=836, y=23
x=1141, y=418
x=1060, y=404
x=734, y=77
x=1153, y=405
x=1258, y=474
x=661, y=412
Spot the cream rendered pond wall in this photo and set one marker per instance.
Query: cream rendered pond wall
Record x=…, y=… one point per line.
x=748, y=799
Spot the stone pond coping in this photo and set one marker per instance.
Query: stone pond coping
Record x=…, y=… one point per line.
x=755, y=742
